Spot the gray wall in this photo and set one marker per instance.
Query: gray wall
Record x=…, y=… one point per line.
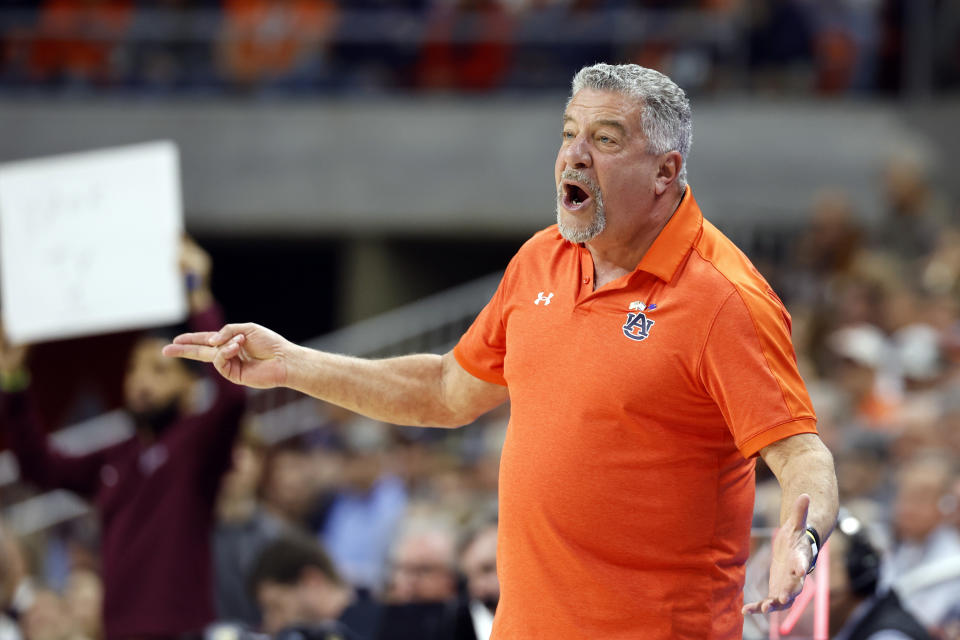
x=467, y=166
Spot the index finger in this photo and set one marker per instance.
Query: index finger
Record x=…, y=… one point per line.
x=200, y=337
x=190, y=352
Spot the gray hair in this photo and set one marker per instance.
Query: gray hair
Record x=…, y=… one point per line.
x=666, y=118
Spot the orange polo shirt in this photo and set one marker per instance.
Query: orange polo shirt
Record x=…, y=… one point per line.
x=627, y=476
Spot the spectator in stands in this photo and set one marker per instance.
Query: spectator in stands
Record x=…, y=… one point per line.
x=155, y=491
x=295, y=583
x=423, y=564
x=915, y=216
x=467, y=46
x=857, y=610
x=473, y=616
x=378, y=63
x=173, y=56
x=364, y=513
x=290, y=488
x=862, y=359
x=271, y=41
x=81, y=42
x=780, y=42
x=926, y=542
x=243, y=529
x=826, y=250
x=582, y=25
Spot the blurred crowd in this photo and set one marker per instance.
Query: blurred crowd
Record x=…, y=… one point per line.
x=828, y=47
x=876, y=325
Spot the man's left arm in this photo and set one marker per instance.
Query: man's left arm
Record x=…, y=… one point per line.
x=808, y=498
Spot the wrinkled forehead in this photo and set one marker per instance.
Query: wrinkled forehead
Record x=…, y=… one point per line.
x=600, y=104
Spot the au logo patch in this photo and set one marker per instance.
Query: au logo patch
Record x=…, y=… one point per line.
x=638, y=325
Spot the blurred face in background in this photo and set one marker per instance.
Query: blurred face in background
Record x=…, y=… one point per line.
x=281, y=606
x=290, y=487
x=917, y=509
x=154, y=384
x=422, y=569
x=479, y=564
x=310, y=600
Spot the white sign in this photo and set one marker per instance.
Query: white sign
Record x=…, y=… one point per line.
x=89, y=243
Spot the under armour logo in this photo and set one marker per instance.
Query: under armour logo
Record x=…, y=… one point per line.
x=545, y=299
x=637, y=327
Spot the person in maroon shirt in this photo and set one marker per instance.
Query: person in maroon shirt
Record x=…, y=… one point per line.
x=154, y=492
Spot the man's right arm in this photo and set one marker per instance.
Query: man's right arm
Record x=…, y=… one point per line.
x=421, y=390
x=424, y=390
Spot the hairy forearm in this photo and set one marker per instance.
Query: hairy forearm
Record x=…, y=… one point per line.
x=407, y=390
x=811, y=471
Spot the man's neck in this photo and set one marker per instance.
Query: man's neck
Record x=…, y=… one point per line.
x=620, y=256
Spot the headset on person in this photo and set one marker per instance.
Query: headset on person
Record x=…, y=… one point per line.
x=862, y=560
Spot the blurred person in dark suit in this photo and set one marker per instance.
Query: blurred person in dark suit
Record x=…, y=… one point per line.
x=242, y=530
x=295, y=583
x=155, y=492
x=422, y=581
x=858, y=611
x=473, y=616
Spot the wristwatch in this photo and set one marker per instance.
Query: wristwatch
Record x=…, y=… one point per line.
x=814, y=538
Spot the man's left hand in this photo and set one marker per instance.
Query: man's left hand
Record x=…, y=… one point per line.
x=792, y=555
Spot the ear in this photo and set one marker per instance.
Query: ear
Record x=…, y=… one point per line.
x=670, y=165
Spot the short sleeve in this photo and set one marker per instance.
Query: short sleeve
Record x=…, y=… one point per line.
x=749, y=368
x=481, y=350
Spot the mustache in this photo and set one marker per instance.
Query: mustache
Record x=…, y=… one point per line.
x=579, y=176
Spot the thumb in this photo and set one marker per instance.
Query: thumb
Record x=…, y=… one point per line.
x=800, y=510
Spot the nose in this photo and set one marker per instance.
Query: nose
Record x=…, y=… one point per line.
x=577, y=154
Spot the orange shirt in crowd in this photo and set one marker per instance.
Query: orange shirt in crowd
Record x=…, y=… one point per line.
x=627, y=476
x=265, y=39
x=79, y=38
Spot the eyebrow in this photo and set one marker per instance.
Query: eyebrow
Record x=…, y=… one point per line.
x=616, y=124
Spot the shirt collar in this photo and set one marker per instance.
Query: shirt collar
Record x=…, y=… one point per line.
x=672, y=245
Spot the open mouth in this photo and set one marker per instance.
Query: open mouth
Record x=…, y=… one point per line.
x=574, y=196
